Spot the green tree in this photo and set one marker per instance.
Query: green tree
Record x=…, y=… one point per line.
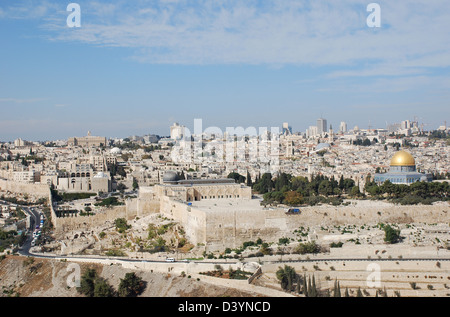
x=265, y=184
x=355, y=191
x=305, y=286
x=122, y=225
x=391, y=235
x=293, y=198
x=102, y=288
x=286, y=276
x=312, y=290
x=87, y=283
x=359, y=293
x=249, y=180
x=282, y=180
x=307, y=247
x=346, y=294
x=135, y=184
x=131, y=285
x=337, y=289
x=238, y=178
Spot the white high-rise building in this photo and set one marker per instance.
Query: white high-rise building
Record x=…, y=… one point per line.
x=177, y=131
x=286, y=128
x=343, y=127
x=312, y=131
x=406, y=124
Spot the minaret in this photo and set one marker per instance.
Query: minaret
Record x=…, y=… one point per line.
x=331, y=135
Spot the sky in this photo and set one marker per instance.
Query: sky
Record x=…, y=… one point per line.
x=136, y=67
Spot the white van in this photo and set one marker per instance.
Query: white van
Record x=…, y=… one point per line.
x=170, y=260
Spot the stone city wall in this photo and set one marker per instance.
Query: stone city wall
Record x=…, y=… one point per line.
x=36, y=190
x=69, y=223
x=368, y=212
x=230, y=228
x=148, y=201
x=192, y=219
x=219, y=229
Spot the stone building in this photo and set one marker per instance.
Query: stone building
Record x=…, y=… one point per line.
x=217, y=213
x=87, y=141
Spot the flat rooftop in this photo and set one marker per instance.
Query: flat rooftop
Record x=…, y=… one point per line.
x=189, y=182
x=227, y=204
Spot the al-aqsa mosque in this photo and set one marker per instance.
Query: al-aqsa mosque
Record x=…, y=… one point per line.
x=402, y=171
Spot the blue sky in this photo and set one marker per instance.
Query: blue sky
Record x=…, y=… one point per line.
x=135, y=68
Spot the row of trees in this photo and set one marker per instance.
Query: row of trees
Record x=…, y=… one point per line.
x=290, y=281
x=92, y=285
x=418, y=192
x=293, y=191
x=8, y=238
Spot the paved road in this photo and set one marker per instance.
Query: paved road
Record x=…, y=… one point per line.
x=26, y=252
x=362, y=260
x=35, y=218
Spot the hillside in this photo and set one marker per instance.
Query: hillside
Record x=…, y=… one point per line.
x=32, y=277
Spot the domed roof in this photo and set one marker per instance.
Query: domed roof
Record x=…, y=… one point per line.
x=402, y=158
x=116, y=150
x=321, y=146
x=170, y=176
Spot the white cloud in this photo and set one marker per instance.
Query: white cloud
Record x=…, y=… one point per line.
x=21, y=101
x=278, y=32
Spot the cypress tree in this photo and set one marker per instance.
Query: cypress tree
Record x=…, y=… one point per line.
x=337, y=289
x=310, y=293
x=305, y=286
x=314, y=292
x=359, y=293
x=249, y=180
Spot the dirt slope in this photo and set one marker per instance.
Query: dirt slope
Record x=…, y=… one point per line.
x=32, y=277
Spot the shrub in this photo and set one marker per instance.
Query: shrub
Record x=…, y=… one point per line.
x=121, y=225
x=336, y=244
x=391, y=235
x=308, y=247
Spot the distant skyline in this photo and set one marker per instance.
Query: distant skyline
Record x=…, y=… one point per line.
x=136, y=68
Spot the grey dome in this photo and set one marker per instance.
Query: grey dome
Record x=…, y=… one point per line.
x=170, y=176
x=321, y=146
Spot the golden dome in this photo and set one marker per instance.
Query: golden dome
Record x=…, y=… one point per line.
x=402, y=158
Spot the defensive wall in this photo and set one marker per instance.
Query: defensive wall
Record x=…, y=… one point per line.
x=36, y=190
x=76, y=222
x=369, y=212
x=224, y=224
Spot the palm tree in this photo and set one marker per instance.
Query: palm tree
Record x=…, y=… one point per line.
x=286, y=276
